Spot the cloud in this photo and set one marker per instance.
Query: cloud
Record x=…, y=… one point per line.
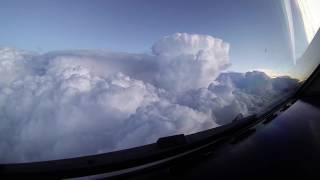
x=12, y=64
x=233, y=93
x=162, y=118
x=73, y=103
x=189, y=61
x=51, y=116
x=258, y=83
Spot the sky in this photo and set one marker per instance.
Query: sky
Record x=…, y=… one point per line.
x=255, y=30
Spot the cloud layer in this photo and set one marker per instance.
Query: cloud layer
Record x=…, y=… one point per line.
x=73, y=103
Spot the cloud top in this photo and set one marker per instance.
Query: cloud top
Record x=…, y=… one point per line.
x=189, y=61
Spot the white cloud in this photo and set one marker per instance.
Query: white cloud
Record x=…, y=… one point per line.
x=73, y=103
x=189, y=61
x=162, y=118
x=52, y=115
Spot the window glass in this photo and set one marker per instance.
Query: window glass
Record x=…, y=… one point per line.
x=91, y=76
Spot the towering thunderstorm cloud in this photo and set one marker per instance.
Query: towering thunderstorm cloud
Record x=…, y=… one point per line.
x=72, y=103
x=189, y=61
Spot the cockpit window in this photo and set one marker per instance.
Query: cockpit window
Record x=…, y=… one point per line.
x=91, y=76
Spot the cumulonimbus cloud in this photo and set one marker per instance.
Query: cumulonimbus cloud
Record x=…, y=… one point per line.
x=189, y=61
x=73, y=103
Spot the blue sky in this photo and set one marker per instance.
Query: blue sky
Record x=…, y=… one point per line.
x=255, y=29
